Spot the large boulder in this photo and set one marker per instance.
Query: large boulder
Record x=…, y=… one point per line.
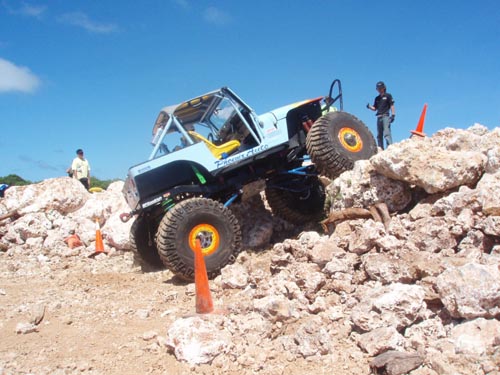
x=475, y=138
x=397, y=305
x=117, y=233
x=102, y=206
x=459, y=139
x=255, y=233
x=435, y=169
x=363, y=187
x=470, y=291
x=62, y=194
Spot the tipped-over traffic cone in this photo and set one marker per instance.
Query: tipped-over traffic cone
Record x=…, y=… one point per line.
x=204, y=304
x=99, y=246
x=73, y=241
x=420, y=126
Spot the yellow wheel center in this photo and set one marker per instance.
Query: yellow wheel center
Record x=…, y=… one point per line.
x=208, y=236
x=350, y=139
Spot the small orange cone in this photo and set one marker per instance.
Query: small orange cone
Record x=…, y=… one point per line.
x=204, y=304
x=419, y=131
x=99, y=246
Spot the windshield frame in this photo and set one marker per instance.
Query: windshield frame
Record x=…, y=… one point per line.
x=185, y=110
x=172, y=121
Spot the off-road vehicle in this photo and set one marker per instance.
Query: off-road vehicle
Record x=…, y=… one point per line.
x=213, y=150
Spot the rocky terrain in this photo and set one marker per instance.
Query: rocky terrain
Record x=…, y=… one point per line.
x=419, y=295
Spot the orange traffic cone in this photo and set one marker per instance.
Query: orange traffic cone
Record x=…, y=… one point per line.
x=204, y=304
x=419, y=131
x=99, y=246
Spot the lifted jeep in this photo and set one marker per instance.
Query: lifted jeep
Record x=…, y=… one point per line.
x=212, y=150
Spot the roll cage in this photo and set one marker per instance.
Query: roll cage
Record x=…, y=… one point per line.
x=220, y=119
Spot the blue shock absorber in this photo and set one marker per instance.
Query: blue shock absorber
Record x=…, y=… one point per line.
x=231, y=200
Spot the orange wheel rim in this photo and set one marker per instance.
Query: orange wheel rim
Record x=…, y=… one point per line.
x=209, y=238
x=350, y=139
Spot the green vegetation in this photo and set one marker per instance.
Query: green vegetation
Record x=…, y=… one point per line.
x=95, y=182
x=15, y=180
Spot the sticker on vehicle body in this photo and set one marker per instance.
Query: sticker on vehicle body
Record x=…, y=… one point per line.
x=238, y=157
x=151, y=202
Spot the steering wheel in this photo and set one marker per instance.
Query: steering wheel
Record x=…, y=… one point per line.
x=210, y=137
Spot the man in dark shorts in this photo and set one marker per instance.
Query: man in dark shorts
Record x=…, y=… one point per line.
x=384, y=105
x=81, y=169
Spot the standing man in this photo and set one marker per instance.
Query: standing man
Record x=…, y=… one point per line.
x=384, y=103
x=81, y=169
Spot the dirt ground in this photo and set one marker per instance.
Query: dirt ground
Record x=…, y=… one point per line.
x=99, y=320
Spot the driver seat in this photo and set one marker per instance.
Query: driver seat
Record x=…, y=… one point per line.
x=225, y=148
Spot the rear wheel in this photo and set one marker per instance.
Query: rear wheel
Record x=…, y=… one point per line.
x=297, y=204
x=143, y=245
x=211, y=222
x=337, y=140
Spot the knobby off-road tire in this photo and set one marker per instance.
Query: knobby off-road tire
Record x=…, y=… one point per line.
x=337, y=140
x=142, y=243
x=298, y=208
x=216, y=225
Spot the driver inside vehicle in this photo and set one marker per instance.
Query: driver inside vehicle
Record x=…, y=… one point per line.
x=184, y=143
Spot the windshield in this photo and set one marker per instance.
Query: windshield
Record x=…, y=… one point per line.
x=224, y=112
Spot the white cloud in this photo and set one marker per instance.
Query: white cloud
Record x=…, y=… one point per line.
x=40, y=164
x=17, y=78
x=217, y=16
x=26, y=9
x=183, y=3
x=80, y=19
x=36, y=11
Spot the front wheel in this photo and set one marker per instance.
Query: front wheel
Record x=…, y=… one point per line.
x=336, y=141
x=143, y=245
x=216, y=227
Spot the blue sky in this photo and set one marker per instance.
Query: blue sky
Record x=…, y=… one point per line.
x=94, y=74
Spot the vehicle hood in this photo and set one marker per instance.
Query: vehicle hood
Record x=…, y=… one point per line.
x=281, y=112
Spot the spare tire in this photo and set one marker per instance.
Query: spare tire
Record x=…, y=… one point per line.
x=215, y=225
x=337, y=140
x=298, y=207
